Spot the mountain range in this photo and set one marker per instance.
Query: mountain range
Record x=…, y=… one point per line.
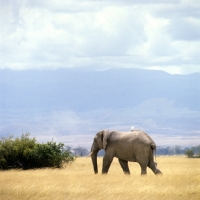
x=71, y=105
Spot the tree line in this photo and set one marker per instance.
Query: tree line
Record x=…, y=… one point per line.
x=26, y=153
x=193, y=152
x=178, y=150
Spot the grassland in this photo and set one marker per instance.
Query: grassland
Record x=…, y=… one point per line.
x=180, y=180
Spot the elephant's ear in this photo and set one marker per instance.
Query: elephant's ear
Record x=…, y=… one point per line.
x=99, y=139
x=105, y=138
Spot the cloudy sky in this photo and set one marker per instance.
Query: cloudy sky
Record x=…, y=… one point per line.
x=148, y=34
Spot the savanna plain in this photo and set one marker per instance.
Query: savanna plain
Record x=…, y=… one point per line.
x=180, y=180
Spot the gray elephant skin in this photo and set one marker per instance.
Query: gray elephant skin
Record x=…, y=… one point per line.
x=134, y=146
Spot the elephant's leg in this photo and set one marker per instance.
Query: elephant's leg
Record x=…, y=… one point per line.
x=152, y=166
x=124, y=165
x=143, y=168
x=107, y=160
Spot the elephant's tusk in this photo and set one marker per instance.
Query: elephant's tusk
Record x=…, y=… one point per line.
x=90, y=154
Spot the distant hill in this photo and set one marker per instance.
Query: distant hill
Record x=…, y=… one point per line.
x=77, y=101
x=87, y=90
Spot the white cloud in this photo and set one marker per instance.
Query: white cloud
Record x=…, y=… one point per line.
x=142, y=34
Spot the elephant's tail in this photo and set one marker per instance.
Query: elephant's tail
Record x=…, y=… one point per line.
x=153, y=146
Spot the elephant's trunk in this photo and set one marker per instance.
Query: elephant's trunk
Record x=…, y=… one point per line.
x=94, y=161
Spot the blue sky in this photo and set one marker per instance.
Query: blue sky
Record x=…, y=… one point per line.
x=160, y=35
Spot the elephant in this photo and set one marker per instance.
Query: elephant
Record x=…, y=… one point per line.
x=133, y=146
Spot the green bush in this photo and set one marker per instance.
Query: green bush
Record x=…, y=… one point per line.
x=189, y=153
x=26, y=153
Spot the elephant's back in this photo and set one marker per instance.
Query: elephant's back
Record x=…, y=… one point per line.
x=139, y=136
x=136, y=135
x=145, y=137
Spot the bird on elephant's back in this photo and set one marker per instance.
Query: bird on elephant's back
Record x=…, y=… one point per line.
x=133, y=146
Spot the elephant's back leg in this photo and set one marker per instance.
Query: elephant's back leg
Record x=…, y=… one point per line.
x=143, y=162
x=143, y=168
x=142, y=157
x=152, y=166
x=124, y=166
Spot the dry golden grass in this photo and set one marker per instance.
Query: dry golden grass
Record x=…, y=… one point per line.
x=181, y=180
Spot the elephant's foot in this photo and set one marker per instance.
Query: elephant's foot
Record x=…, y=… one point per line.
x=143, y=173
x=104, y=172
x=158, y=172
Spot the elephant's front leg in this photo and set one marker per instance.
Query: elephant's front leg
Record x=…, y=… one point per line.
x=107, y=160
x=124, y=165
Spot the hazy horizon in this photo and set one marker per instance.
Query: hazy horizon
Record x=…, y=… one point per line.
x=71, y=106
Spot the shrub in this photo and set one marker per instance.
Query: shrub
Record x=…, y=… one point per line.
x=189, y=153
x=26, y=153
